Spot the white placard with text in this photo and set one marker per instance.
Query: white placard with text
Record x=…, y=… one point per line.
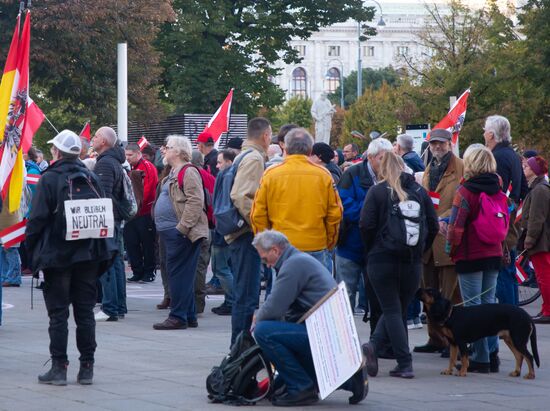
x=92, y=218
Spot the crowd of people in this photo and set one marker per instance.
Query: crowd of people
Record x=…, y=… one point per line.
x=299, y=215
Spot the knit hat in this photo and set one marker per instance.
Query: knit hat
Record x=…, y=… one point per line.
x=323, y=151
x=530, y=153
x=205, y=137
x=235, y=142
x=440, y=134
x=538, y=164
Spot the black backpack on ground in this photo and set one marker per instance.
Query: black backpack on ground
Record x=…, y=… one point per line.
x=406, y=228
x=235, y=380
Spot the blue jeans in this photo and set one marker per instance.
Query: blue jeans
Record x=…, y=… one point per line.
x=246, y=263
x=324, y=257
x=351, y=273
x=10, y=265
x=507, y=285
x=413, y=310
x=222, y=270
x=113, y=282
x=471, y=286
x=182, y=257
x=286, y=345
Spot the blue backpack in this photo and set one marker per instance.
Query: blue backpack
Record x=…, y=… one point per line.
x=228, y=218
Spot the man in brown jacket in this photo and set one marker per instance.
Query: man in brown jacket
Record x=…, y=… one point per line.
x=440, y=180
x=245, y=260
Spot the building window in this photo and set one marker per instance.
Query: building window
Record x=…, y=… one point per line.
x=334, y=51
x=299, y=79
x=301, y=49
x=402, y=51
x=368, y=51
x=333, y=79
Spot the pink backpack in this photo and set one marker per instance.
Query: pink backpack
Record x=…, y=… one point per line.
x=491, y=223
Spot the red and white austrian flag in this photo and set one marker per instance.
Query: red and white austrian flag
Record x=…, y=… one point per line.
x=13, y=235
x=32, y=179
x=519, y=213
x=142, y=143
x=435, y=198
x=521, y=275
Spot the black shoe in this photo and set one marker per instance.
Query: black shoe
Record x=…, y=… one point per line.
x=402, y=372
x=86, y=373
x=359, y=384
x=542, y=319
x=371, y=358
x=134, y=279
x=148, y=279
x=428, y=348
x=223, y=309
x=494, y=362
x=446, y=353
x=57, y=375
x=121, y=316
x=477, y=367
x=40, y=286
x=301, y=398
x=192, y=323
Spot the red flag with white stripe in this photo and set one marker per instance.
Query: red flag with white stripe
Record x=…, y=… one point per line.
x=436, y=197
x=219, y=123
x=454, y=119
x=519, y=213
x=521, y=275
x=142, y=143
x=13, y=235
x=32, y=179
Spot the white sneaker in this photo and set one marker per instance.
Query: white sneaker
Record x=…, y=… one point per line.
x=101, y=316
x=410, y=325
x=417, y=323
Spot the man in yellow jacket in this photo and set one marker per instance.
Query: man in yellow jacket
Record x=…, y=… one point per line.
x=299, y=199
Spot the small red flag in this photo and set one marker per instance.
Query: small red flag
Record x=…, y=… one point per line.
x=32, y=179
x=454, y=119
x=142, y=143
x=86, y=131
x=13, y=235
x=34, y=120
x=219, y=123
x=521, y=275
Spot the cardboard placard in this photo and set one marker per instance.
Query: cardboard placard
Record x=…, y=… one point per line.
x=91, y=218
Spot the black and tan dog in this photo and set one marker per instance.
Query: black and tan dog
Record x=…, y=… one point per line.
x=463, y=325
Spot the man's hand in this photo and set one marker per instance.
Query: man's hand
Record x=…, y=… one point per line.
x=253, y=325
x=443, y=226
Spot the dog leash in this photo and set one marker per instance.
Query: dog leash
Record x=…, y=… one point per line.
x=473, y=298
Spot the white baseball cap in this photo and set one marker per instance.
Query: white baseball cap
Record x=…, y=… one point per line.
x=67, y=141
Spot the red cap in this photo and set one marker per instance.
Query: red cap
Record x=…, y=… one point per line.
x=205, y=137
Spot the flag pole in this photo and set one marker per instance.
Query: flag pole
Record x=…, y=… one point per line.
x=50, y=123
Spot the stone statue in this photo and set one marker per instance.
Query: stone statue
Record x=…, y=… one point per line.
x=322, y=112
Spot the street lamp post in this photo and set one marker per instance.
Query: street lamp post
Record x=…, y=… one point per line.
x=380, y=23
x=327, y=76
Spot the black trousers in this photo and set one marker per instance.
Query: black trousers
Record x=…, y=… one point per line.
x=76, y=285
x=139, y=238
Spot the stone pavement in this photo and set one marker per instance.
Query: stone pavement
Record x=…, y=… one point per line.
x=138, y=368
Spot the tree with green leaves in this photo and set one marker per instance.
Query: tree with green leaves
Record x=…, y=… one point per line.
x=218, y=44
x=297, y=110
x=371, y=79
x=73, y=58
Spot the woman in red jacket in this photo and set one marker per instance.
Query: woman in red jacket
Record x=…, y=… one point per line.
x=477, y=256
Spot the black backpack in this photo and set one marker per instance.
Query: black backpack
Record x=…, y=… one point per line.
x=406, y=227
x=235, y=380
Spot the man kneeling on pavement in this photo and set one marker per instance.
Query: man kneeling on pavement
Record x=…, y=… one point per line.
x=301, y=281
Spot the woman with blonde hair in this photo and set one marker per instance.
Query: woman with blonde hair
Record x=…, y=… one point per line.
x=478, y=225
x=398, y=223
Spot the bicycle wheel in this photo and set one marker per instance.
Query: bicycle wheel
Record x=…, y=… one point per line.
x=528, y=291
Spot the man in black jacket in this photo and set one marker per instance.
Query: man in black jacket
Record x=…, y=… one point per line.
x=498, y=139
x=70, y=268
x=109, y=170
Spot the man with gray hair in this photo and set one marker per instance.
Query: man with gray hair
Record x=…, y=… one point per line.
x=350, y=253
x=301, y=282
x=299, y=199
x=109, y=170
x=498, y=139
x=403, y=147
